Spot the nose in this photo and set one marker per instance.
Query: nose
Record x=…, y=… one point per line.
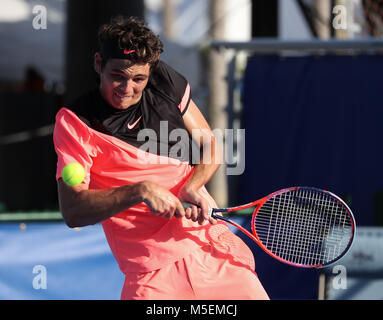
x=126, y=86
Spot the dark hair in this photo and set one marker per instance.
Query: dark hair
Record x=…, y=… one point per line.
x=133, y=34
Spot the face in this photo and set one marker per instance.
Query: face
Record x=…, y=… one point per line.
x=121, y=83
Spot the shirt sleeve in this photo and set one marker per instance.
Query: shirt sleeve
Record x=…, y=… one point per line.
x=72, y=142
x=173, y=84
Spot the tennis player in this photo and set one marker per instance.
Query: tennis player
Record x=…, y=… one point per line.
x=165, y=251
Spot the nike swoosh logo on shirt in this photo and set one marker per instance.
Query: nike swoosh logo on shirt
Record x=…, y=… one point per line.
x=131, y=126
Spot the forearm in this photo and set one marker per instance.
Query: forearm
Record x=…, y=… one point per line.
x=210, y=161
x=190, y=192
x=86, y=207
x=201, y=176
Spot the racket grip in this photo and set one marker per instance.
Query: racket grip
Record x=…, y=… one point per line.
x=189, y=205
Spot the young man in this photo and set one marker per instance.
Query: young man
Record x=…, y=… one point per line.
x=138, y=175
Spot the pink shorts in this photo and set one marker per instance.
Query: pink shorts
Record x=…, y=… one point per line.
x=205, y=274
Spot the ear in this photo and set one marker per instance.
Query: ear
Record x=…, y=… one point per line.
x=97, y=63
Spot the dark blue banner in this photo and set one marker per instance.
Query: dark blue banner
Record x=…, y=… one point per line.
x=312, y=121
x=315, y=121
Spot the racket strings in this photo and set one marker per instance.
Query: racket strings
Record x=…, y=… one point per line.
x=312, y=234
x=305, y=227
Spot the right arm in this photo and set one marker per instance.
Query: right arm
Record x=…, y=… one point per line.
x=81, y=206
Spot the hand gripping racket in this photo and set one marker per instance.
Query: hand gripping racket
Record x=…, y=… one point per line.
x=301, y=226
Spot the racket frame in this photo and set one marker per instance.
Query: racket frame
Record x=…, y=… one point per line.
x=258, y=204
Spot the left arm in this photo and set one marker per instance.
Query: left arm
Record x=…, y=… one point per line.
x=210, y=160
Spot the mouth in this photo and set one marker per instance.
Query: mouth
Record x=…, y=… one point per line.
x=122, y=96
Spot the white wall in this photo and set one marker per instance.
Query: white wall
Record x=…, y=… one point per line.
x=22, y=45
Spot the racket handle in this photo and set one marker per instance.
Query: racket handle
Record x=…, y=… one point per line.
x=189, y=205
x=216, y=216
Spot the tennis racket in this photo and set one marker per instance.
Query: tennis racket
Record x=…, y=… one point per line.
x=301, y=226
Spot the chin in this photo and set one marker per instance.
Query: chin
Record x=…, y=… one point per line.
x=121, y=103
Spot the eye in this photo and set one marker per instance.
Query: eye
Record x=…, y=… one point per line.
x=117, y=76
x=139, y=80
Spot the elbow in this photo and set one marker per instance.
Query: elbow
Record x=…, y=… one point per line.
x=70, y=218
x=71, y=224
x=73, y=220
x=70, y=208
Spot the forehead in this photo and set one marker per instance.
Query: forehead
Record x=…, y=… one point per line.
x=126, y=66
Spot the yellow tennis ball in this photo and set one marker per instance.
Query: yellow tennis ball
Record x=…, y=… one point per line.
x=73, y=174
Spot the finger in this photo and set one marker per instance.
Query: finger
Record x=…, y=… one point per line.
x=158, y=213
x=170, y=213
x=154, y=211
x=205, y=210
x=201, y=218
x=162, y=213
x=188, y=213
x=164, y=210
x=179, y=211
x=213, y=221
x=171, y=207
x=194, y=215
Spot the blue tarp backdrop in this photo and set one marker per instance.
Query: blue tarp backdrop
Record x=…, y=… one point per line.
x=50, y=261
x=312, y=121
x=315, y=121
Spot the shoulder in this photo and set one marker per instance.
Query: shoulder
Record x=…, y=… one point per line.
x=66, y=115
x=83, y=106
x=69, y=124
x=77, y=113
x=165, y=79
x=80, y=108
x=165, y=72
x=169, y=83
